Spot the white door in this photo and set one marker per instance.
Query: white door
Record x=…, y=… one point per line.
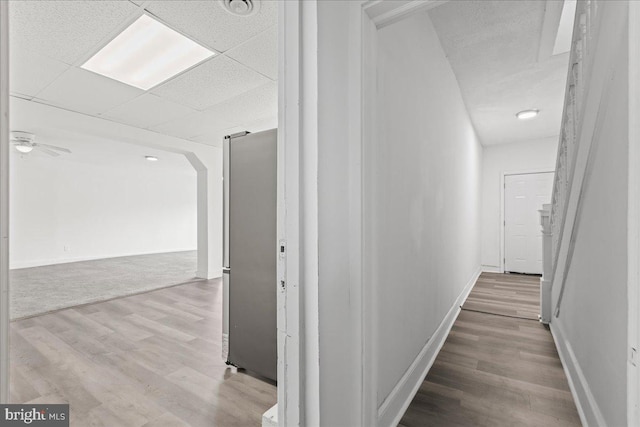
x=524, y=195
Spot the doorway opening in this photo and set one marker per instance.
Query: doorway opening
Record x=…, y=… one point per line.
x=164, y=345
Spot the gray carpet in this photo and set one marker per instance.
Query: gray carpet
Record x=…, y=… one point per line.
x=41, y=289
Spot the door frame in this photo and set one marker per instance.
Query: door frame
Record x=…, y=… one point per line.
x=298, y=346
x=633, y=242
x=4, y=202
x=504, y=174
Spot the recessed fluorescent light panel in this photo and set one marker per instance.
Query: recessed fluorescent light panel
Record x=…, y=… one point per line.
x=151, y=158
x=146, y=54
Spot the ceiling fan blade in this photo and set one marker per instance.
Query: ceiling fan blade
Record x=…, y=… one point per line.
x=47, y=151
x=53, y=147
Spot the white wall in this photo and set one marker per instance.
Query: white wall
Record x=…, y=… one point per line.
x=98, y=210
x=442, y=215
x=338, y=298
x=591, y=329
x=496, y=160
x=426, y=196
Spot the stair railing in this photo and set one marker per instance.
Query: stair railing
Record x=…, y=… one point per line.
x=565, y=200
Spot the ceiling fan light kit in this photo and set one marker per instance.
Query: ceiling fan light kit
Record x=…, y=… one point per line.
x=25, y=142
x=24, y=148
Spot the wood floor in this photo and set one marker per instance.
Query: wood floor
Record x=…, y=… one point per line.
x=151, y=359
x=507, y=294
x=495, y=370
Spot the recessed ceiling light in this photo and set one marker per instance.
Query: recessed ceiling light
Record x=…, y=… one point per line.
x=147, y=53
x=151, y=158
x=527, y=114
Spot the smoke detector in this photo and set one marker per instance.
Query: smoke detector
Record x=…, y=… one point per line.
x=241, y=7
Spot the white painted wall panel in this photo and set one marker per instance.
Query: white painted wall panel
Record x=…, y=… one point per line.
x=97, y=210
x=593, y=314
x=426, y=191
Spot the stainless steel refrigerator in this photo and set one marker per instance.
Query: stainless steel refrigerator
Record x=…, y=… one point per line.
x=250, y=252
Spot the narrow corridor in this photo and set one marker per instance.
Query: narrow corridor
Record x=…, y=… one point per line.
x=498, y=367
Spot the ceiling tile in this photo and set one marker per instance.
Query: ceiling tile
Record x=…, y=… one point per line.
x=259, y=53
x=31, y=72
x=65, y=30
x=146, y=111
x=261, y=124
x=185, y=127
x=257, y=104
x=86, y=92
x=210, y=83
x=216, y=138
x=208, y=23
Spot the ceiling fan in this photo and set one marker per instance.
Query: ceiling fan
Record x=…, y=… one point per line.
x=24, y=142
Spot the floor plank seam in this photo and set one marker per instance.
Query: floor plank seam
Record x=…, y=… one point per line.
x=501, y=315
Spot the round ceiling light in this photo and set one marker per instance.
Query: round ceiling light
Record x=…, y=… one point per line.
x=527, y=114
x=151, y=158
x=24, y=148
x=241, y=7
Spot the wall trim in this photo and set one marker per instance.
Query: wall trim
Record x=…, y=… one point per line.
x=55, y=261
x=395, y=405
x=586, y=404
x=633, y=239
x=491, y=269
x=384, y=13
x=215, y=274
x=4, y=202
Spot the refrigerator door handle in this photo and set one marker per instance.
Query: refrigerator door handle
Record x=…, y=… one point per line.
x=225, y=201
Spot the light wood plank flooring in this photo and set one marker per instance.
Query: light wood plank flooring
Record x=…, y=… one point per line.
x=506, y=294
x=151, y=359
x=495, y=370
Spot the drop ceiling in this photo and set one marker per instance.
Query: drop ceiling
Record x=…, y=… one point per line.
x=235, y=89
x=501, y=54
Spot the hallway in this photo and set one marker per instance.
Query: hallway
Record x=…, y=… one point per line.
x=496, y=370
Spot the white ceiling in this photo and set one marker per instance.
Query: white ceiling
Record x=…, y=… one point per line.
x=236, y=89
x=494, y=49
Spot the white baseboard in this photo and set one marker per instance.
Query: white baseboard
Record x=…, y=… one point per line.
x=55, y=261
x=491, y=269
x=270, y=418
x=394, y=406
x=586, y=404
x=216, y=274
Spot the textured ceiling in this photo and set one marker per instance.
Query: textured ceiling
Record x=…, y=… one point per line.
x=215, y=81
x=493, y=48
x=50, y=40
x=208, y=23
